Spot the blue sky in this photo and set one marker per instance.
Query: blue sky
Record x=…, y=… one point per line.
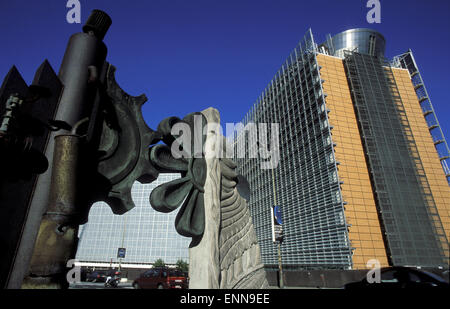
x=192, y=54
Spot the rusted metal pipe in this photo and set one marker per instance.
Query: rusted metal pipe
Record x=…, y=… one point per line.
x=57, y=237
x=64, y=184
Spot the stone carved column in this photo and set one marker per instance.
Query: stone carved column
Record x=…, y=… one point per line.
x=204, y=270
x=224, y=252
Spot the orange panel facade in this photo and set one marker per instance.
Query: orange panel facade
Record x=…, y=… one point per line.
x=425, y=146
x=365, y=232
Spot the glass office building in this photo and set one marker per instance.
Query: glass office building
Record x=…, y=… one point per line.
x=359, y=178
x=147, y=235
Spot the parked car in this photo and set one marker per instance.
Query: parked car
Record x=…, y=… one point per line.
x=401, y=277
x=446, y=275
x=96, y=276
x=162, y=278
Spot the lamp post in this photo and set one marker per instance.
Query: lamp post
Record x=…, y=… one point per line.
x=278, y=241
x=123, y=238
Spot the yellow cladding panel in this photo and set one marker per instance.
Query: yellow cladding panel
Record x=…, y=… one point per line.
x=365, y=231
x=433, y=170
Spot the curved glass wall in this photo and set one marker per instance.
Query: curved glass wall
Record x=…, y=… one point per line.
x=361, y=40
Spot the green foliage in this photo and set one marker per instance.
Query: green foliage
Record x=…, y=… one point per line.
x=182, y=265
x=159, y=263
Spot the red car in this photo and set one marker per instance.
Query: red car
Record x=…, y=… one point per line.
x=162, y=278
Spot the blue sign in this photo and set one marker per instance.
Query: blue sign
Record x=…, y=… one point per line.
x=277, y=215
x=277, y=224
x=121, y=253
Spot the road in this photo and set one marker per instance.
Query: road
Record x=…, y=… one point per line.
x=101, y=285
x=98, y=285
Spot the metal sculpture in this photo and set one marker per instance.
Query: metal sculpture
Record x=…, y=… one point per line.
x=187, y=191
x=88, y=142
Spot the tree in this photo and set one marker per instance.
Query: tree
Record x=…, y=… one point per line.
x=159, y=263
x=182, y=265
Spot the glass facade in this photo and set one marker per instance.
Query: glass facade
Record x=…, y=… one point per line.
x=432, y=162
x=146, y=234
x=365, y=234
x=401, y=187
x=408, y=62
x=306, y=180
x=358, y=178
